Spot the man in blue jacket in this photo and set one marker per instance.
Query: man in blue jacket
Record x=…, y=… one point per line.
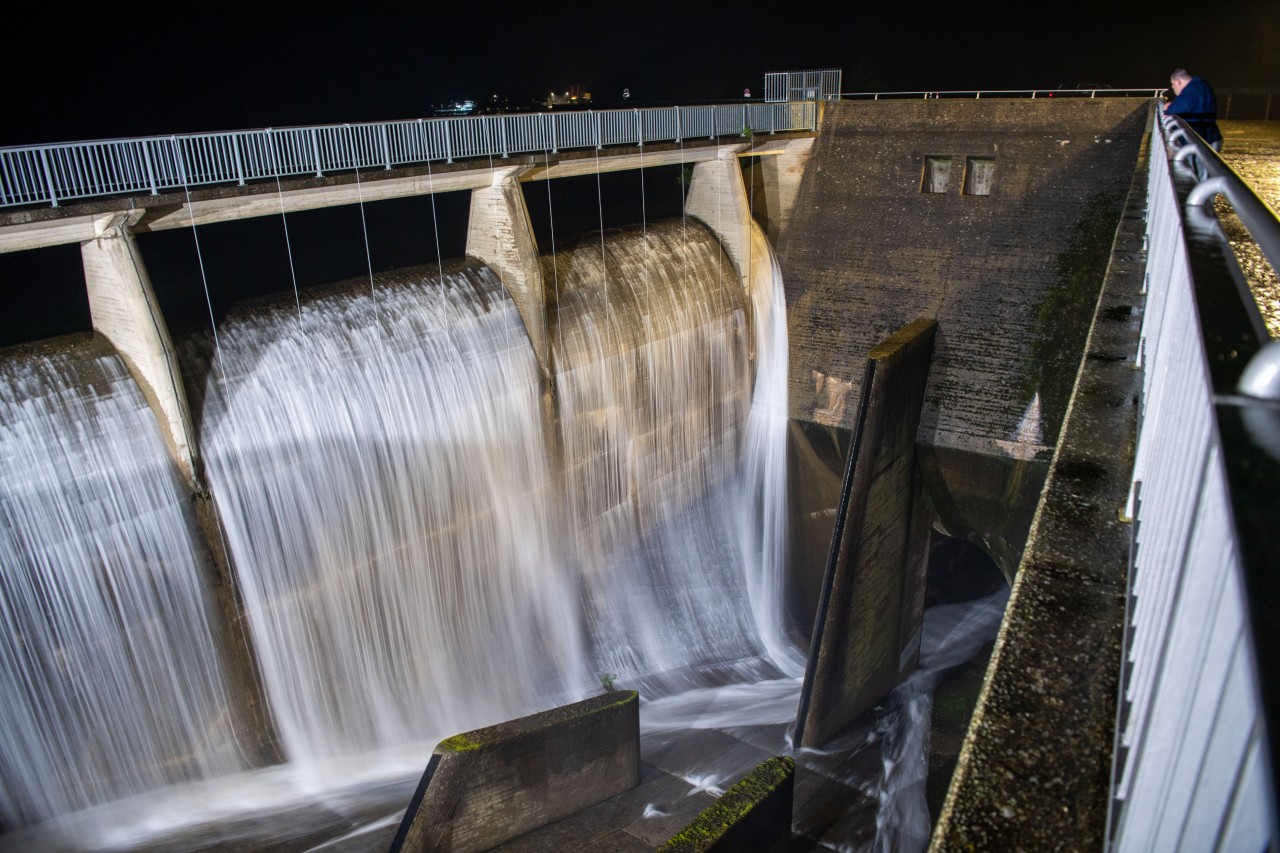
x=1195, y=102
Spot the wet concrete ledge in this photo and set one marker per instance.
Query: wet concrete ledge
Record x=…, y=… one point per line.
x=1035, y=767
x=487, y=786
x=755, y=814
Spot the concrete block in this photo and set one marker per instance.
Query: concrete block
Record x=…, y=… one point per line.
x=753, y=815
x=487, y=786
x=867, y=631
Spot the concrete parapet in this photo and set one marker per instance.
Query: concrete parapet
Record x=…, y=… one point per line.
x=123, y=308
x=753, y=815
x=867, y=631
x=500, y=234
x=490, y=785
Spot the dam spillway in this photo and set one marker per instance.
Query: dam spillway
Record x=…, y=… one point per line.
x=422, y=540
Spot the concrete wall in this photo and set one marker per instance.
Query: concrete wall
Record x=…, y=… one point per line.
x=487, y=786
x=867, y=631
x=1010, y=277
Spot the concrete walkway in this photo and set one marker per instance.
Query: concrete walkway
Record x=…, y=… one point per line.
x=1252, y=148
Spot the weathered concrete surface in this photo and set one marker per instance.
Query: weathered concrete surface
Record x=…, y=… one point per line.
x=755, y=814
x=1011, y=278
x=780, y=175
x=1252, y=148
x=500, y=234
x=490, y=785
x=124, y=309
x=718, y=197
x=1034, y=770
x=867, y=631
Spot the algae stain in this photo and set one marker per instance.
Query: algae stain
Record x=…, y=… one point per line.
x=1064, y=315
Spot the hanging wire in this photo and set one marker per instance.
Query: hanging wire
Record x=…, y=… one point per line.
x=284, y=221
x=551, y=220
x=435, y=223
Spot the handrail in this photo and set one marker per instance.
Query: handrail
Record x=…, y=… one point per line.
x=979, y=94
x=1217, y=176
x=1195, y=761
x=56, y=173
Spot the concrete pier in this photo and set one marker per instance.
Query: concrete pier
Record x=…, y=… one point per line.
x=500, y=234
x=123, y=306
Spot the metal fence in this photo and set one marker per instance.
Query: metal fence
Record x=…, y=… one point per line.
x=978, y=94
x=820, y=85
x=53, y=174
x=1194, y=767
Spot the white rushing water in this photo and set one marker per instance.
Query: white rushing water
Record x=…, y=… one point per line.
x=425, y=542
x=110, y=681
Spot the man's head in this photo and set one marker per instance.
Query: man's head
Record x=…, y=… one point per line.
x=1179, y=79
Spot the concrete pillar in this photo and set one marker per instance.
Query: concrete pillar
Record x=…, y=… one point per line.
x=500, y=234
x=718, y=198
x=781, y=173
x=866, y=637
x=123, y=308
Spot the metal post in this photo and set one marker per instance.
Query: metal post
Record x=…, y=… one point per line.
x=235, y=149
x=502, y=121
x=48, y=177
x=555, y=137
x=639, y=129
x=599, y=145
x=679, y=129
x=315, y=152
x=151, y=172
x=448, y=142
x=386, y=148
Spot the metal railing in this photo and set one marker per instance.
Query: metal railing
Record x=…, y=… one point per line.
x=53, y=174
x=819, y=85
x=978, y=94
x=1194, y=768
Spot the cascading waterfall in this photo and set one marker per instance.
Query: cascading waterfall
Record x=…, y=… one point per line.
x=653, y=382
x=378, y=464
x=425, y=542
x=110, y=681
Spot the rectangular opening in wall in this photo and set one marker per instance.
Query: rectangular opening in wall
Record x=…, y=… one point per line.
x=978, y=174
x=937, y=175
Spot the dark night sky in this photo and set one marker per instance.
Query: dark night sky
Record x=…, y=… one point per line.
x=180, y=68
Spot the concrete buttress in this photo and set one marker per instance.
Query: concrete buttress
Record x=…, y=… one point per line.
x=718, y=198
x=123, y=307
x=500, y=234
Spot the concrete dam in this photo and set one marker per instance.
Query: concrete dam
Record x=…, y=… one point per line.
x=337, y=525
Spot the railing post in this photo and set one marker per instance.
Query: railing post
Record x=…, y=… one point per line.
x=48, y=177
x=503, y=124
x=151, y=172
x=679, y=127
x=599, y=144
x=448, y=142
x=315, y=152
x=555, y=137
x=235, y=150
x=386, y=147
x=639, y=127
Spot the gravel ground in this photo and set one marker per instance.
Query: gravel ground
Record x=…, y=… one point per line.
x=1252, y=148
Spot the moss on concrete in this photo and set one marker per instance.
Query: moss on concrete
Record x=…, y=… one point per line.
x=711, y=826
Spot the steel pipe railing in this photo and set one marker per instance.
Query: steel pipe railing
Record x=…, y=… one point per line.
x=1194, y=767
x=55, y=174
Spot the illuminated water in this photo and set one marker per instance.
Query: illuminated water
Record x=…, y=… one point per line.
x=110, y=679
x=425, y=542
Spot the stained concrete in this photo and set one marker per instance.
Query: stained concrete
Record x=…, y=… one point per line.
x=1034, y=770
x=493, y=784
x=1011, y=278
x=867, y=631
